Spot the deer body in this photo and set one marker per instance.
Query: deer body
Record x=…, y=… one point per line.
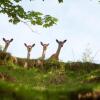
x=60, y=45
x=56, y=55
x=7, y=43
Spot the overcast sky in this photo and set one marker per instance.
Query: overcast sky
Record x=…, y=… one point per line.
x=79, y=23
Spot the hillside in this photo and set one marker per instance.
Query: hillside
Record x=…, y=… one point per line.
x=55, y=81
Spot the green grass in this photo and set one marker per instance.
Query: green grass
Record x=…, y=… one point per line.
x=57, y=81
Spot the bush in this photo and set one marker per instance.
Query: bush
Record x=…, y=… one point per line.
x=22, y=61
x=51, y=64
x=79, y=66
x=5, y=58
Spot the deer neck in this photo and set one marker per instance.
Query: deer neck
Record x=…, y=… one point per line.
x=58, y=51
x=43, y=54
x=6, y=47
x=28, y=55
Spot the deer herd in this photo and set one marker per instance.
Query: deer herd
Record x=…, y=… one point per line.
x=29, y=49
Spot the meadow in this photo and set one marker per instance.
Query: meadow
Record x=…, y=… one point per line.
x=55, y=81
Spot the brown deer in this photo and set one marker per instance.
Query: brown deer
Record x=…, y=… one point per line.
x=44, y=49
x=40, y=61
x=29, y=48
x=60, y=45
x=7, y=43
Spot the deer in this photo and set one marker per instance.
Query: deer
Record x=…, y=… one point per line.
x=29, y=48
x=44, y=49
x=40, y=61
x=7, y=43
x=55, y=56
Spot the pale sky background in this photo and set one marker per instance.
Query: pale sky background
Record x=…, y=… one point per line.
x=79, y=23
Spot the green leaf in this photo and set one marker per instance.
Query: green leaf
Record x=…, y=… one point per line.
x=17, y=14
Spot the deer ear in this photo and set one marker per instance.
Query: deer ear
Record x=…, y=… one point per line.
x=4, y=39
x=57, y=41
x=64, y=41
x=11, y=40
x=25, y=44
x=41, y=43
x=33, y=45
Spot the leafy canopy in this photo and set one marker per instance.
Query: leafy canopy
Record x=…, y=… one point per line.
x=16, y=14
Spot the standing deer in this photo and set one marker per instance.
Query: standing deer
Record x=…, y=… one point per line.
x=60, y=45
x=29, y=48
x=44, y=49
x=7, y=43
x=40, y=61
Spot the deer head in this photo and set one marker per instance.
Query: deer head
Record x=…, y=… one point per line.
x=29, y=47
x=7, y=43
x=44, y=45
x=60, y=43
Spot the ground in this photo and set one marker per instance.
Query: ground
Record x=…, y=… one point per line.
x=56, y=81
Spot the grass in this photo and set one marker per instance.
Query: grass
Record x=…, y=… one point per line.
x=57, y=81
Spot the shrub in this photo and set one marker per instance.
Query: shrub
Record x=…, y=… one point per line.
x=81, y=67
x=31, y=63
x=5, y=58
x=22, y=61
x=51, y=64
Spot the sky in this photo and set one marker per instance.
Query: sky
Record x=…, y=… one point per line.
x=78, y=22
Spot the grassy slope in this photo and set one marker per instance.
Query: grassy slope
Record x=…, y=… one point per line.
x=61, y=83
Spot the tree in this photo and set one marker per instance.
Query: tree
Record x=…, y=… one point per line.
x=16, y=14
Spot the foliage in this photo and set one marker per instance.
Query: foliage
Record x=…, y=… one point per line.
x=21, y=62
x=5, y=56
x=51, y=64
x=6, y=59
x=54, y=84
x=17, y=13
x=60, y=1
x=80, y=67
x=57, y=81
